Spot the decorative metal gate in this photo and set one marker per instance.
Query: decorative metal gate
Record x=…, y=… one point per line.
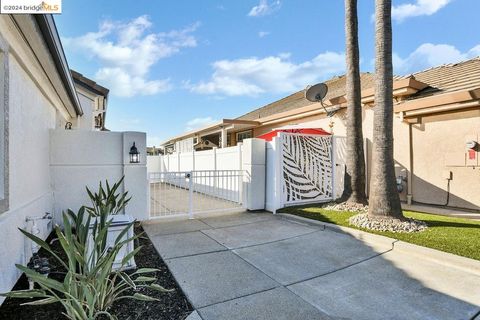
x=189, y=193
x=306, y=168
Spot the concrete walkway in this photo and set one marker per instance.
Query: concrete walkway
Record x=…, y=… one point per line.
x=260, y=266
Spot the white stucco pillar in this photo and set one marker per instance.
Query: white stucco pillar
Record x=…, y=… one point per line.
x=253, y=164
x=136, y=180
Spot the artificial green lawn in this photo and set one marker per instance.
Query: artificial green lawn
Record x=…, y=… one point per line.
x=454, y=235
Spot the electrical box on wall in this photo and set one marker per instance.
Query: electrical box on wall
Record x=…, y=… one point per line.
x=471, y=150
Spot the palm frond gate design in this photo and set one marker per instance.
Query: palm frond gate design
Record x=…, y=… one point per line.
x=307, y=171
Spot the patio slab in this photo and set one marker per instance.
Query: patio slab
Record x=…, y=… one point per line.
x=278, y=304
x=394, y=286
x=216, y=277
x=258, y=233
x=308, y=256
x=175, y=226
x=193, y=316
x=184, y=244
x=236, y=219
x=274, y=269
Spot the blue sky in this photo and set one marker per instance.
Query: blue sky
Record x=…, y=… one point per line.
x=172, y=66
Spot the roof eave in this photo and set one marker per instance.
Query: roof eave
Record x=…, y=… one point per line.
x=50, y=34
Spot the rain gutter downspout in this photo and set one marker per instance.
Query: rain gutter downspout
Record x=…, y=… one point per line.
x=410, y=164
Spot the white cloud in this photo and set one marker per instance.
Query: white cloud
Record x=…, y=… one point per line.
x=199, y=123
x=274, y=74
x=429, y=55
x=264, y=8
x=262, y=34
x=127, y=51
x=418, y=8
x=125, y=84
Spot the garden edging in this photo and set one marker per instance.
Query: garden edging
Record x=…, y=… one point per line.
x=444, y=258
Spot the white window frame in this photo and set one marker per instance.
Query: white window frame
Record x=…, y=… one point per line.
x=243, y=132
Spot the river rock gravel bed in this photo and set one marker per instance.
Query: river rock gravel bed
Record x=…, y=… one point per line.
x=387, y=224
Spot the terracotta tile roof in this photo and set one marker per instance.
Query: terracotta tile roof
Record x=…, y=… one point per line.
x=463, y=75
x=336, y=88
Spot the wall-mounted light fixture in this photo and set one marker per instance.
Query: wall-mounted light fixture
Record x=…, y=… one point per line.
x=134, y=154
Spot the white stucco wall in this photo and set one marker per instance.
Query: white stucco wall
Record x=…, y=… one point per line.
x=84, y=158
x=30, y=118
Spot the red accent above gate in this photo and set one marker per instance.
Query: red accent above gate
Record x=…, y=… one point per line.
x=270, y=135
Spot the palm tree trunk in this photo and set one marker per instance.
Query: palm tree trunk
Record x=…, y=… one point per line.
x=384, y=199
x=354, y=189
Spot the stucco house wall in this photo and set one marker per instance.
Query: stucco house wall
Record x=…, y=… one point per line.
x=439, y=148
x=85, y=123
x=29, y=118
x=43, y=167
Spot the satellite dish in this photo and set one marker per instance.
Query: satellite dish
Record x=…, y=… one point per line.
x=316, y=93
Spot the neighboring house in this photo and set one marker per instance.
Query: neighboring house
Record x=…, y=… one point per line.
x=153, y=151
x=436, y=129
x=93, y=99
x=37, y=95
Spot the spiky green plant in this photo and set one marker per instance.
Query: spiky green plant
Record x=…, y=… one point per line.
x=107, y=201
x=90, y=286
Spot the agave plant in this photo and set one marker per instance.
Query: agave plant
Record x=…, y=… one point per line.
x=107, y=201
x=90, y=287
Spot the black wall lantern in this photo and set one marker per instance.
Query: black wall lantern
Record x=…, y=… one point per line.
x=134, y=154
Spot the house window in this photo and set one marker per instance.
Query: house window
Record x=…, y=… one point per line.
x=3, y=132
x=244, y=135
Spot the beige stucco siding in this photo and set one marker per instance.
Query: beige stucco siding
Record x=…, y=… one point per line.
x=435, y=140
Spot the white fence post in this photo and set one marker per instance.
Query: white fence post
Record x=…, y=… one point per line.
x=193, y=160
x=253, y=162
x=179, y=161
x=278, y=173
x=190, y=195
x=334, y=162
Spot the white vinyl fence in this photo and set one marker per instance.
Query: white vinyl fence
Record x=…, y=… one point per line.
x=296, y=169
x=194, y=192
x=195, y=182
x=216, y=159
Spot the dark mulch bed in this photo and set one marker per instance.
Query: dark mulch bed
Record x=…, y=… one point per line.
x=172, y=306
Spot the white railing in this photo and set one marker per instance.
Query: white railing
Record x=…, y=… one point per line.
x=194, y=192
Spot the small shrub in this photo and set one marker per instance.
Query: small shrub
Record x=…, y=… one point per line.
x=90, y=286
x=107, y=201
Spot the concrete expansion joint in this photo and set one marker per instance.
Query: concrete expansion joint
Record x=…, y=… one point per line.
x=241, y=224
x=393, y=244
x=275, y=241
x=340, y=269
x=243, y=296
x=197, y=254
x=476, y=316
